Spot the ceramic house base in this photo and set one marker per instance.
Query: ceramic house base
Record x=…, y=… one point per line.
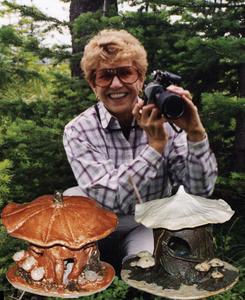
x=87, y=287
x=158, y=282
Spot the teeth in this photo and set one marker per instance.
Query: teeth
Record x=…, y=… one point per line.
x=117, y=95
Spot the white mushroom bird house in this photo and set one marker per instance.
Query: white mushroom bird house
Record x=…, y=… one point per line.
x=185, y=266
x=62, y=258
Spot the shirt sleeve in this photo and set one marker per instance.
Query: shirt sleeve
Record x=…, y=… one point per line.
x=193, y=165
x=100, y=180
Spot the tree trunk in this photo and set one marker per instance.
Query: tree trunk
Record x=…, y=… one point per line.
x=239, y=143
x=78, y=7
x=241, y=75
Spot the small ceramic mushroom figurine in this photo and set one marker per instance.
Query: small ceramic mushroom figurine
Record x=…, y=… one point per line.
x=62, y=258
x=184, y=264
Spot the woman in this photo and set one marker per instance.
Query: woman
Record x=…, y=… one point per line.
x=120, y=140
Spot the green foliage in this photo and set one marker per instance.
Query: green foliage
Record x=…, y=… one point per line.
x=31, y=148
x=31, y=11
x=230, y=247
x=5, y=180
x=9, y=36
x=219, y=113
x=234, y=183
x=231, y=188
x=31, y=137
x=16, y=65
x=198, y=56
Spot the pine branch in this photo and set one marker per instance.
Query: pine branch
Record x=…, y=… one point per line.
x=35, y=13
x=205, y=4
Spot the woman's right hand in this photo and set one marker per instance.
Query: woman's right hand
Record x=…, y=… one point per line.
x=147, y=117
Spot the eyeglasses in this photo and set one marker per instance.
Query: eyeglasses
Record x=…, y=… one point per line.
x=127, y=75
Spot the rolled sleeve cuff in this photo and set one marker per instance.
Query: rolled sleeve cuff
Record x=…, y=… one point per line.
x=199, y=148
x=151, y=156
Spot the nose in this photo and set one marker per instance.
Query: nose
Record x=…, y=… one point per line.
x=116, y=82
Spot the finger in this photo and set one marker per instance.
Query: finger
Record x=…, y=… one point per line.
x=180, y=91
x=186, y=93
x=174, y=88
x=140, y=101
x=155, y=115
x=189, y=102
x=136, y=110
x=146, y=111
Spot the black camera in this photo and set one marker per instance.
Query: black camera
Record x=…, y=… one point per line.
x=170, y=104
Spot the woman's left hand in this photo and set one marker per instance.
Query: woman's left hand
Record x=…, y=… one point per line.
x=190, y=121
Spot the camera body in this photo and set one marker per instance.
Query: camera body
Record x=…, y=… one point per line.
x=170, y=104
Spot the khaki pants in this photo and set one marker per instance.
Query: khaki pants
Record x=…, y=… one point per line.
x=127, y=240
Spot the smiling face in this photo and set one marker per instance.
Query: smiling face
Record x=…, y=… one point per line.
x=118, y=97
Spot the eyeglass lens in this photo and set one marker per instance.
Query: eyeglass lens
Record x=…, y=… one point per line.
x=128, y=75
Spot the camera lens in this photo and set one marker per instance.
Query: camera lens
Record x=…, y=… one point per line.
x=173, y=107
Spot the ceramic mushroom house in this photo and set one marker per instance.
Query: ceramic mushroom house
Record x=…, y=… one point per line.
x=183, y=265
x=62, y=258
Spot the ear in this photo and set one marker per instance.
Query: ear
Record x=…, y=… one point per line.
x=141, y=84
x=94, y=88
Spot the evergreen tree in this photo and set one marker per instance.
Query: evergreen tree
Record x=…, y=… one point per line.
x=78, y=7
x=205, y=44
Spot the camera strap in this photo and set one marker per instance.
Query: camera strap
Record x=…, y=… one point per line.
x=178, y=130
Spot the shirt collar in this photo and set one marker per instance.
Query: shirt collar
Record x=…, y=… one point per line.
x=105, y=116
x=107, y=119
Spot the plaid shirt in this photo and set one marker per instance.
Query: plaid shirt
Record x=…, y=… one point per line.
x=102, y=160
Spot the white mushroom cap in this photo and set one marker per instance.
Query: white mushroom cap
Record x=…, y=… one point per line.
x=215, y=262
x=133, y=263
x=19, y=255
x=182, y=211
x=92, y=276
x=28, y=263
x=144, y=253
x=37, y=274
x=217, y=275
x=146, y=262
x=203, y=267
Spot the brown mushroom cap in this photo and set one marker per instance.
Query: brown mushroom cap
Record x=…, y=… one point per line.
x=73, y=223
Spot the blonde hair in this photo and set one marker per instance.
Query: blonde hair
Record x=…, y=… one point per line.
x=111, y=45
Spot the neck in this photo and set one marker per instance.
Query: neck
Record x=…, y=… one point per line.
x=124, y=119
x=125, y=124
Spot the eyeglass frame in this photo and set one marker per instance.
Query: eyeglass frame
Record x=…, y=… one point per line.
x=115, y=73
